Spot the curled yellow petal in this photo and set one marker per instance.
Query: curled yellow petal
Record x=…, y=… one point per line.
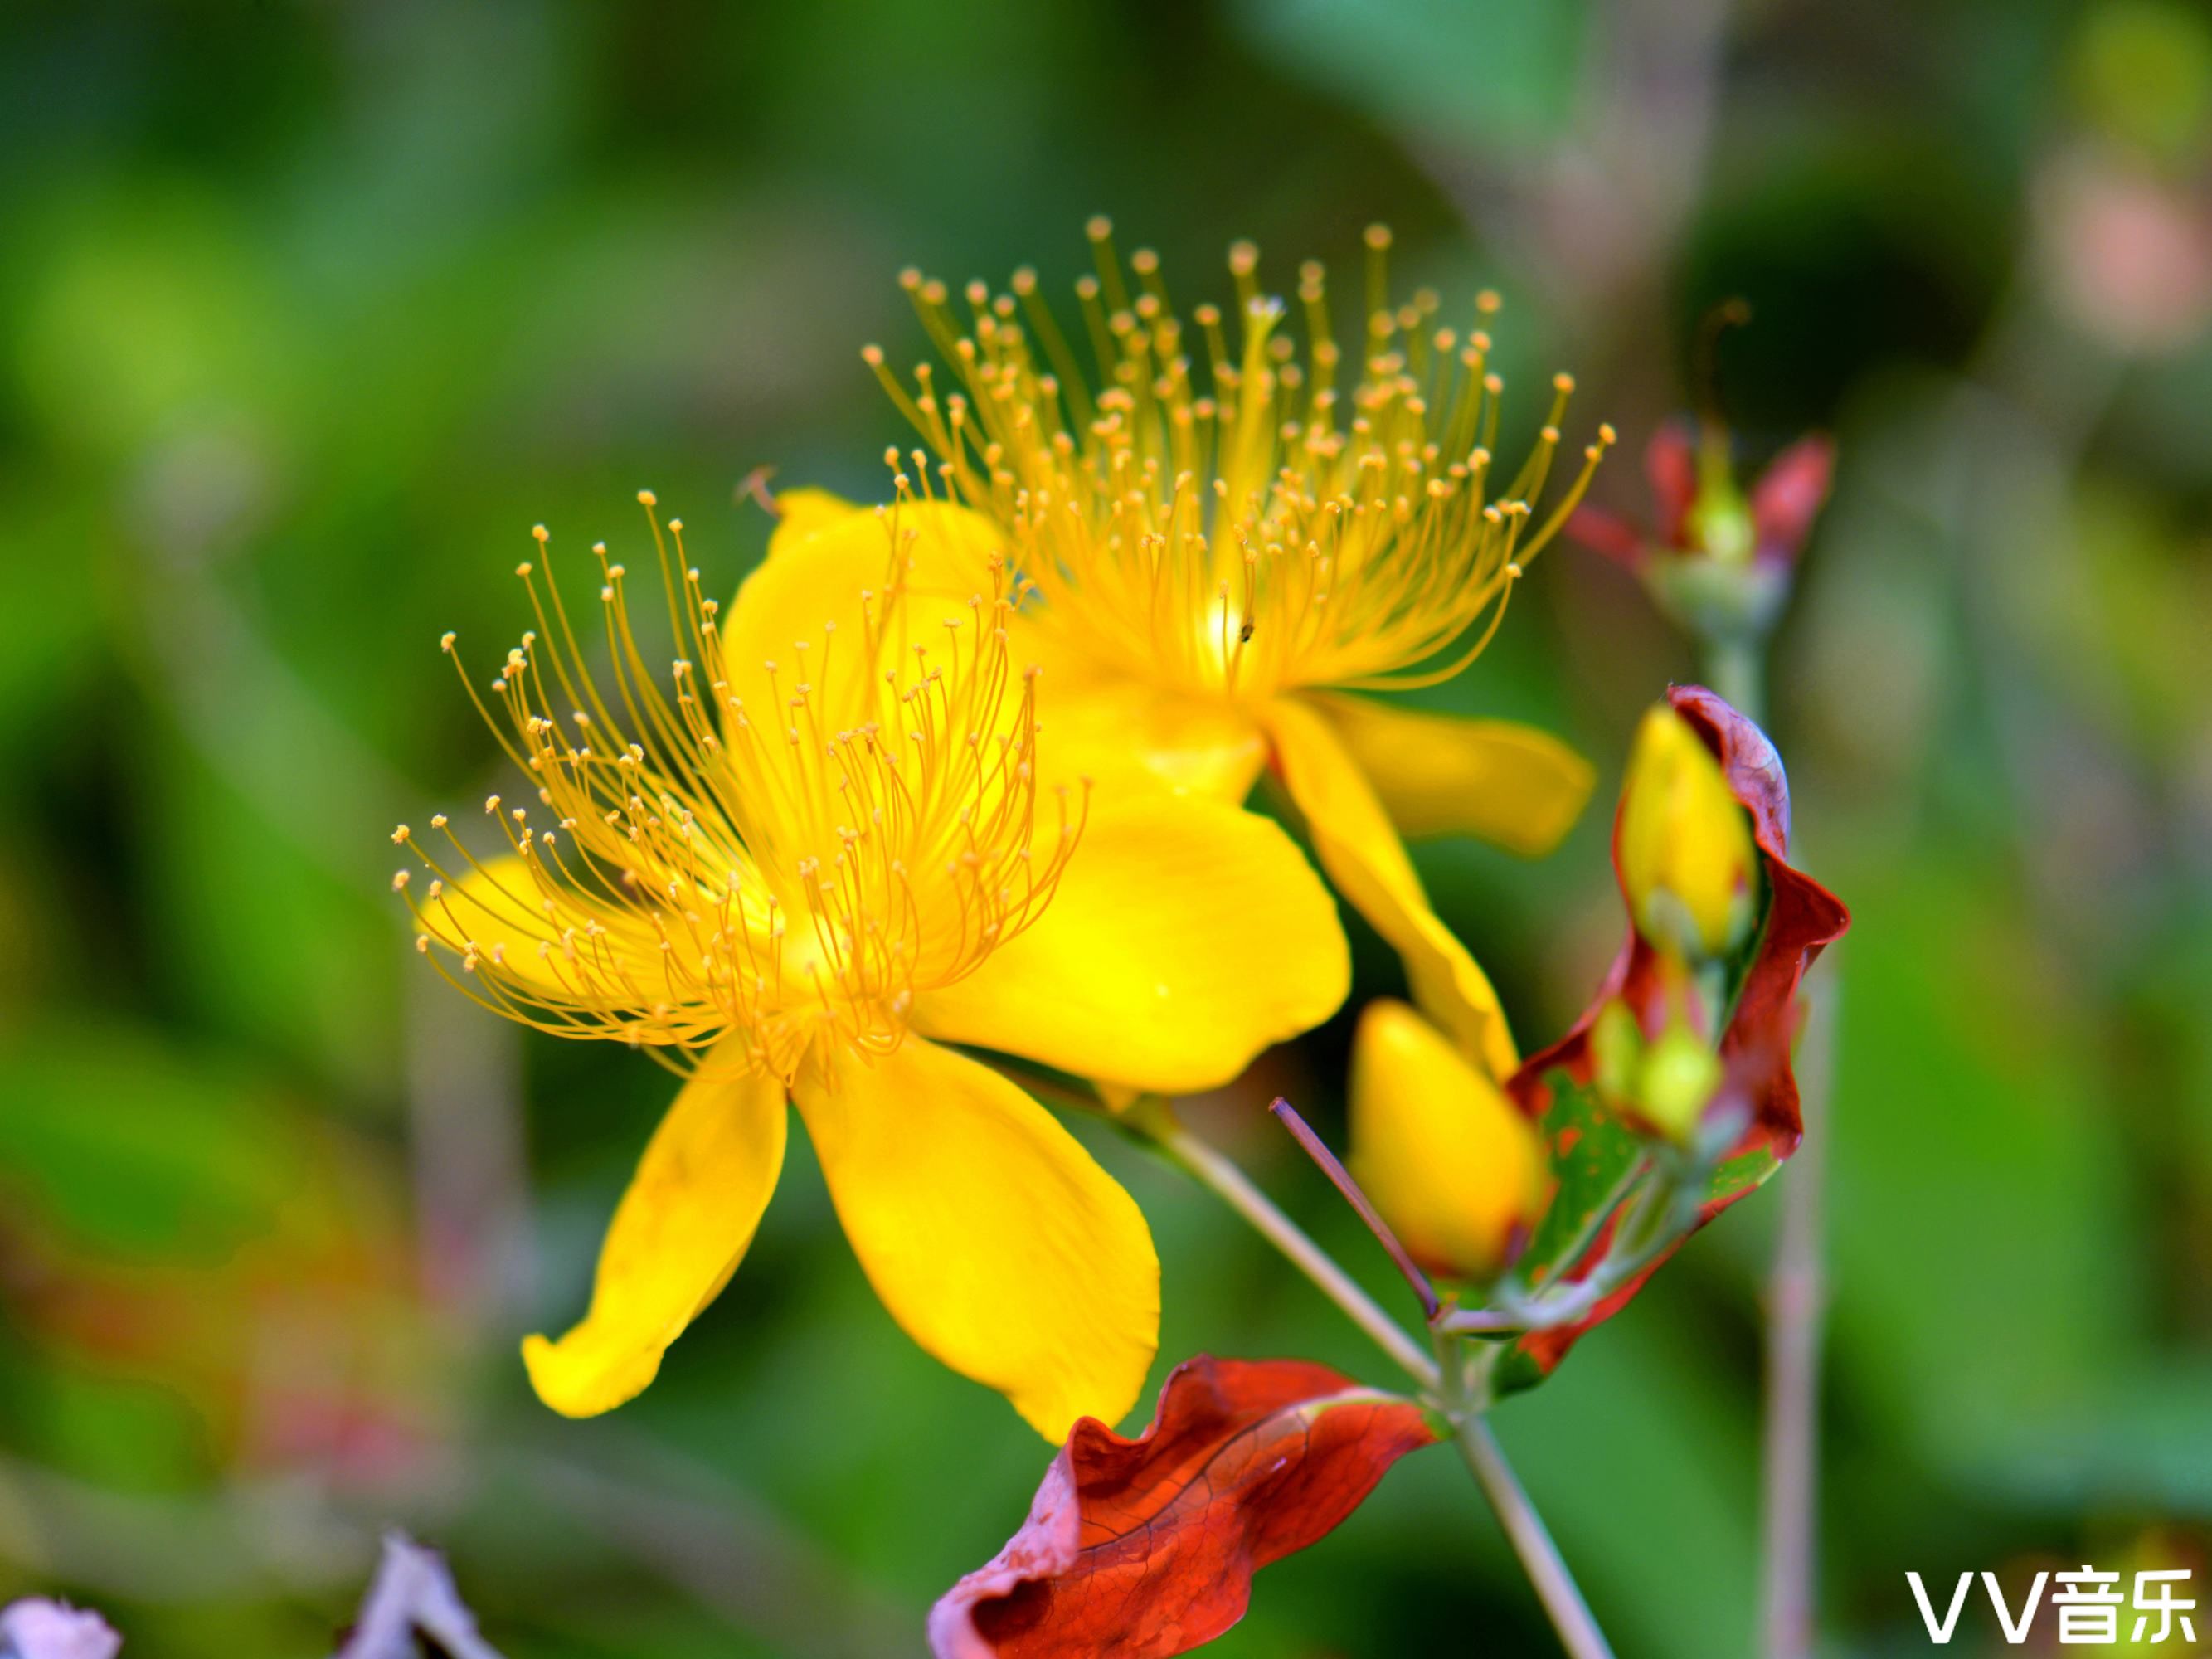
x=1184, y=938
x=1437, y=775
x=677, y=1235
x=992, y=1238
x=1360, y=849
x=1452, y=1165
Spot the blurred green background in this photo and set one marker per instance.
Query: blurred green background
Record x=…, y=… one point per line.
x=307, y=312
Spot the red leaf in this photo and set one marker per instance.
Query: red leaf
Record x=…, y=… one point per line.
x=1136, y=1549
x=1787, y=499
x=1670, y=467
x=1603, y=530
x=1802, y=919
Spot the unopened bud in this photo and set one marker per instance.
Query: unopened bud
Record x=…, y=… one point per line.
x=1458, y=1172
x=1683, y=844
x=1616, y=1044
x=1664, y=1083
x=1677, y=1081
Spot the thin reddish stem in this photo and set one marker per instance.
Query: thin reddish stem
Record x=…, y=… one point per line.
x=1340, y=1178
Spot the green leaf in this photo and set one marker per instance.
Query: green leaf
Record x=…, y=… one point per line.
x=1592, y=1152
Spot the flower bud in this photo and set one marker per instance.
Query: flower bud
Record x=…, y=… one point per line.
x=1455, y=1167
x=1677, y=1081
x=1616, y=1044
x=1719, y=522
x=1720, y=557
x=1663, y=1083
x=1683, y=844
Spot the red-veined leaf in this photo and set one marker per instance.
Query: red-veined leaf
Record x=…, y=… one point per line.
x=1136, y=1549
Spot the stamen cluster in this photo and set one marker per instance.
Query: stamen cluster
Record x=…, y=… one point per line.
x=793, y=868
x=1267, y=529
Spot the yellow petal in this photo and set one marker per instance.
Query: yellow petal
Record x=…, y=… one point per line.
x=1454, y=1166
x=800, y=512
x=495, y=908
x=1439, y=775
x=677, y=1235
x=1126, y=733
x=1361, y=853
x=990, y=1233
x=1185, y=937
x=803, y=611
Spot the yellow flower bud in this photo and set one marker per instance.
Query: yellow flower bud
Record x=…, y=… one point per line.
x=1452, y=1165
x=1676, y=1082
x=1616, y=1044
x=1684, y=843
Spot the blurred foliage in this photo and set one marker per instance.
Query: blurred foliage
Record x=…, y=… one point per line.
x=307, y=312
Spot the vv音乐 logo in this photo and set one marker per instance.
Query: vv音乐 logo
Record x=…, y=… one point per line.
x=2089, y=1604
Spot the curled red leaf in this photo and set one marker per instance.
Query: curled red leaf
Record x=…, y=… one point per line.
x=1802, y=919
x=1137, y=1549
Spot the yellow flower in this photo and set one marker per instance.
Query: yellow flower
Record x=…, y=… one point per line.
x=830, y=844
x=1222, y=553
x=1684, y=843
x=1456, y=1169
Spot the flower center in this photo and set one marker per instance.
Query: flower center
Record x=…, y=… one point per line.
x=1269, y=530
x=793, y=866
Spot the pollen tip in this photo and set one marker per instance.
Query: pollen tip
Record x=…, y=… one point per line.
x=540, y=534
x=1099, y=227
x=1378, y=237
x=646, y=498
x=399, y=836
x=446, y=640
x=400, y=878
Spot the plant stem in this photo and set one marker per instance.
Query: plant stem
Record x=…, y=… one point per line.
x=1797, y=1299
x=1797, y=1289
x=1235, y=1189
x=1340, y=1178
x=1540, y=1558
x=1734, y=668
